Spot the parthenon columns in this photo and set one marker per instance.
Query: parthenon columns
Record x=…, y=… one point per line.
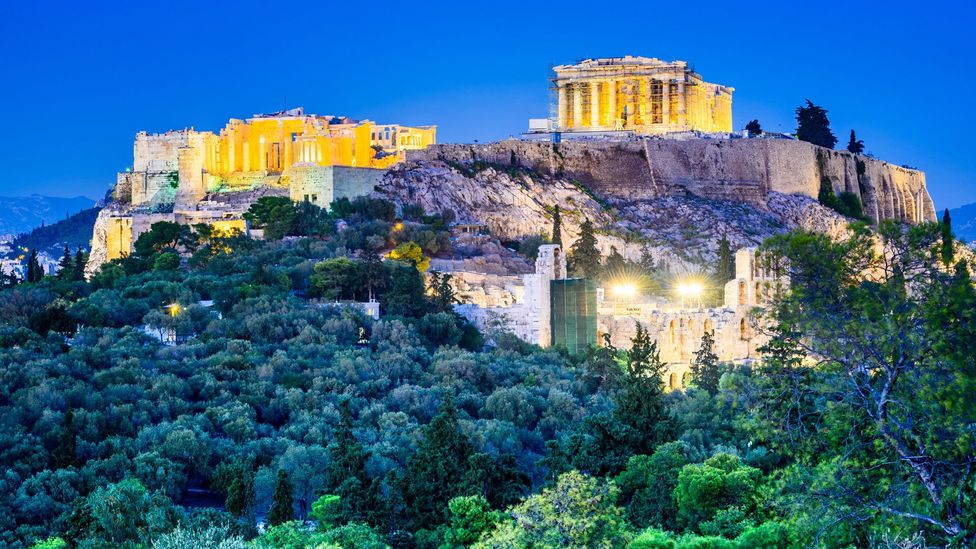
x=561, y=122
x=577, y=106
x=666, y=102
x=682, y=103
x=594, y=104
x=612, y=103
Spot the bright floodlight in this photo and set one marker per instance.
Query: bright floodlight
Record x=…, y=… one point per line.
x=690, y=289
x=624, y=289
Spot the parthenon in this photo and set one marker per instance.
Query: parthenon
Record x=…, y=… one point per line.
x=638, y=94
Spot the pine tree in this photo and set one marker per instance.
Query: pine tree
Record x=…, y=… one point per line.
x=66, y=266
x=813, y=126
x=282, y=503
x=640, y=400
x=705, y=370
x=615, y=262
x=557, y=229
x=948, y=253
x=435, y=472
x=79, y=267
x=240, y=495
x=855, y=145
x=754, y=128
x=725, y=269
x=584, y=254
x=442, y=292
x=347, y=475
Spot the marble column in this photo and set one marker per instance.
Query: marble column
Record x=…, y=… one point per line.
x=682, y=103
x=287, y=151
x=246, y=150
x=648, y=101
x=561, y=105
x=666, y=102
x=230, y=167
x=612, y=104
x=262, y=154
x=577, y=105
x=594, y=104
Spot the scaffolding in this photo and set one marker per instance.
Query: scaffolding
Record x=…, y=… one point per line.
x=574, y=313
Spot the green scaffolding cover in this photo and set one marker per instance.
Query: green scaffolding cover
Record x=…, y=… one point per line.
x=573, y=319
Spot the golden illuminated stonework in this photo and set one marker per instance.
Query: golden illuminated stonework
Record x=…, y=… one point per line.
x=640, y=95
x=186, y=164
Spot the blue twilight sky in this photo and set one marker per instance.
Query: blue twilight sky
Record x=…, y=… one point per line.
x=80, y=79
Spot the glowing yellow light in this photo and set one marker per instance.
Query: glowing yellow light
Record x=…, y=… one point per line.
x=690, y=288
x=623, y=289
x=398, y=226
x=174, y=309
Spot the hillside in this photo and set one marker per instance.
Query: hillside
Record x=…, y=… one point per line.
x=678, y=231
x=75, y=232
x=186, y=404
x=964, y=223
x=23, y=213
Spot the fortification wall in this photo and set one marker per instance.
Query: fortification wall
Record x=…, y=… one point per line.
x=743, y=170
x=323, y=184
x=159, y=152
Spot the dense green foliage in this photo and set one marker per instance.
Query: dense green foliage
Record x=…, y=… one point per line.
x=813, y=126
x=847, y=203
x=276, y=405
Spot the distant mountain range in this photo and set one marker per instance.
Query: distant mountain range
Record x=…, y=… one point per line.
x=964, y=223
x=20, y=214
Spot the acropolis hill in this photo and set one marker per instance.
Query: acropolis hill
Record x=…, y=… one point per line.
x=637, y=136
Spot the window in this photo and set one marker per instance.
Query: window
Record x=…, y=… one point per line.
x=315, y=198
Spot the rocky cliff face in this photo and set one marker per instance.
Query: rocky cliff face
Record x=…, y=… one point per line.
x=679, y=231
x=744, y=170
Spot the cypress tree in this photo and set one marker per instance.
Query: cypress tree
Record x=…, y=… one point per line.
x=281, y=504
x=705, y=370
x=585, y=256
x=813, y=126
x=725, y=269
x=34, y=270
x=557, y=230
x=64, y=453
x=945, y=227
x=855, y=145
